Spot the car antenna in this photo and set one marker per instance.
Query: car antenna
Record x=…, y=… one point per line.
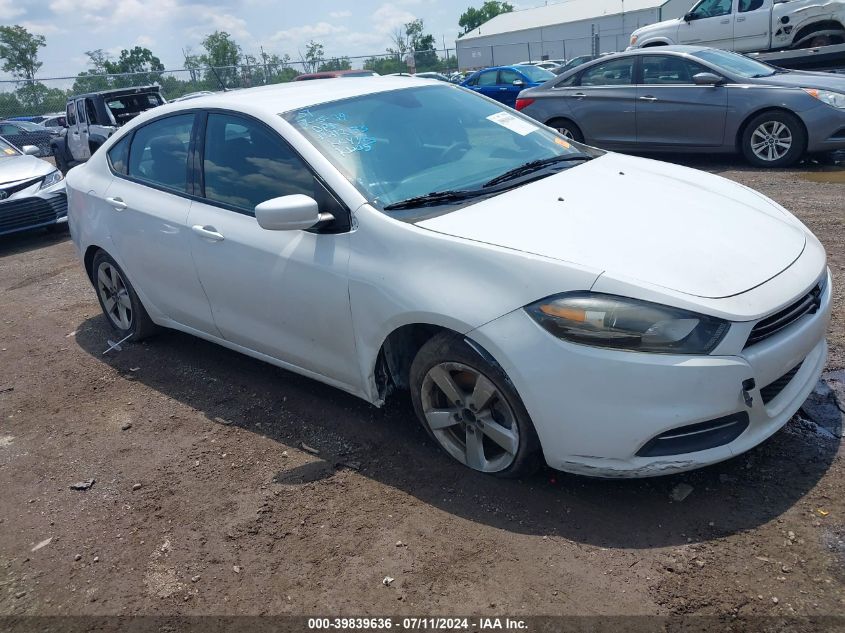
x=220, y=81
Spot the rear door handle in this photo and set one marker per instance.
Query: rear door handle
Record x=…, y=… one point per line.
x=578, y=95
x=648, y=98
x=208, y=232
x=117, y=203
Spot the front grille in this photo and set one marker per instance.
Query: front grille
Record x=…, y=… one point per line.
x=772, y=391
x=19, y=187
x=808, y=304
x=16, y=215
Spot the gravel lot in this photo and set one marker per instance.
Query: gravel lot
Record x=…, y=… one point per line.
x=204, y=501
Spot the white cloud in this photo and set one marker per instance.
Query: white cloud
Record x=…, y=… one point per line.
x=144, y=40
x=387, y=17
x=340, y=14
x=9, y=9
x=40, y=28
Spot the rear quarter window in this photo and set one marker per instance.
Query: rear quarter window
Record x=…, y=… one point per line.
x=119, y=156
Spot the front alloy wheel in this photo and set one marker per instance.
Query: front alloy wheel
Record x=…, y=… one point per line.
x=468, y=405
x=774, y=139
x=469, y=417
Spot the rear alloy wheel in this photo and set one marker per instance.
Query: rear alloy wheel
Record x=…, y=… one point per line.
x=119, y=301
x=471, y=410
x=567, y=129
x=774, y=139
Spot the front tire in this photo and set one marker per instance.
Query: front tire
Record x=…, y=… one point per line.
x=470, y=408
x=774, y=139
x=119, y=301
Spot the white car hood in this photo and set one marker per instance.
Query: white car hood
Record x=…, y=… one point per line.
x=674, y=227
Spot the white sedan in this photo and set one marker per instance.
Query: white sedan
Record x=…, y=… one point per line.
x=542, y=300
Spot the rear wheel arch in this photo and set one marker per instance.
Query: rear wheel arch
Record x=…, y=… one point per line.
x=88, y=260
x=653, y=44
x=805, y=32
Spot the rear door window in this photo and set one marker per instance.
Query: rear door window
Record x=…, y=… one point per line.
x=159, y=152
x=618, y=72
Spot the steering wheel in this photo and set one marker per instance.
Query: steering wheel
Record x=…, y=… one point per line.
x=453, y=148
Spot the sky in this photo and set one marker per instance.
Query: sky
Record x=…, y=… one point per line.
x=344, y=27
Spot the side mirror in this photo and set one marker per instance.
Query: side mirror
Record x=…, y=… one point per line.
x=288, y=213
x=518, y=83
x=706, y=79
x=689, y=17
x=30, y=150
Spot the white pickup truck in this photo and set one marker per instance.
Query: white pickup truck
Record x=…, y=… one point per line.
x=750, y=25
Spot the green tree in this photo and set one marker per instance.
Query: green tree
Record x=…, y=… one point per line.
x=472, y=18
x=94, y=78
x=19, y=52
x=413, y=38
x=386, y=65
x=139, y=65
x=336, y=63
x=223, y=54
x=313, y=56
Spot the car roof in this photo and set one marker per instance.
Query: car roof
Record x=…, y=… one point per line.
x=278, y=98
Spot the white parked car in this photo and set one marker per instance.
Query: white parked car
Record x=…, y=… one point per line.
x=541, y=299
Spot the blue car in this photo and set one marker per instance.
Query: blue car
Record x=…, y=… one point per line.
x=504, y=83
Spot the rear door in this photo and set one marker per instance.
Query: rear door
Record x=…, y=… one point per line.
x=711, y=24
x=673, y=110
x=602, y=102
x=752, y=26
x=149, y=204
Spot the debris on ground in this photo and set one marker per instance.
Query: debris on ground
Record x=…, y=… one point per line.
x=126, y=426
x=83, y=485
x=136, y=486
x=43, y=543
x=681, y=492
x=308, y=449
x=387, y=580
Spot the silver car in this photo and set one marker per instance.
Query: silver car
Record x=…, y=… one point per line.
x=32, y=191
x=694, y=99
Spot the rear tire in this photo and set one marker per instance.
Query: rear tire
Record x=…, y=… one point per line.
x=567, y=128
x=471, y=409
x=119, y=301
x=774, y=139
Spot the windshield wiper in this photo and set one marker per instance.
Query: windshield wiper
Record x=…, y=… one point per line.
x=534, y=165
x=435, y=198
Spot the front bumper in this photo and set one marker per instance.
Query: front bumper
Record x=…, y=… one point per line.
x=825, y=128
x=595, y=409
x=30, y=212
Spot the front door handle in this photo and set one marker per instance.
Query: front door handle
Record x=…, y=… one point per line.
x=117, y=203
x=728, y=21
x=648, y=98
x=578, y=95
x=740, y=19
x=208, y=232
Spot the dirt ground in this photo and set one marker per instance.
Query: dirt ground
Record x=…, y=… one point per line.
x=204, y=501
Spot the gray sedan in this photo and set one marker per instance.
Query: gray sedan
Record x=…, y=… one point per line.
x=694, y=99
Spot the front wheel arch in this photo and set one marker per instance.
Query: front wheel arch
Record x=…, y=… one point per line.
x=782, y=111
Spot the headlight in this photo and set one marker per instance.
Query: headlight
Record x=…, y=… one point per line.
x=835, y=99
x=627, y=324
x=51, y=179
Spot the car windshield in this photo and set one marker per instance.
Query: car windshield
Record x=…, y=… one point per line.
x=7, y=150
x=736, y=64
x=536, y=74
x=397, y=145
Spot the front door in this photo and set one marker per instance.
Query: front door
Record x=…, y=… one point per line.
x=673, y=110
x=711, y=24
x=511, y=83
x=602, y=103
x=149, y=227
x=753, y=25
x=284, y=294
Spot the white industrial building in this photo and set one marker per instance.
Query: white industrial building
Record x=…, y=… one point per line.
x=562, y=31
